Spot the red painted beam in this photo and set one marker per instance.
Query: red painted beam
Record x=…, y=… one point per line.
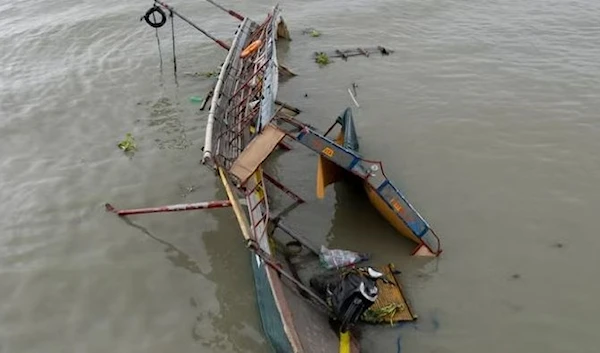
x=170, y=208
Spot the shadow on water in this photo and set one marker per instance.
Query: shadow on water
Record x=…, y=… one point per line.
x=230, y=263
x=357, y=225
x=237, y=318
x=175, y=255
x=356, y=221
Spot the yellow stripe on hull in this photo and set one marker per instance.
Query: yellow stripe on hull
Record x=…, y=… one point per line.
x=389, y=214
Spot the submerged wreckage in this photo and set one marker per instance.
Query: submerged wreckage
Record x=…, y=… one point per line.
x=245, y=125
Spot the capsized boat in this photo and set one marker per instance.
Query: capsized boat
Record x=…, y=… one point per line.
x=239, y=138
x=240, y=135
x=339, y=158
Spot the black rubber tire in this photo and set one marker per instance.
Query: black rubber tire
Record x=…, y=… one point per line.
x=161, y=22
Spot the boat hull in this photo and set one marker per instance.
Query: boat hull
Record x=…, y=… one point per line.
x=273, y=326
x=340, y=156
x=384, y=210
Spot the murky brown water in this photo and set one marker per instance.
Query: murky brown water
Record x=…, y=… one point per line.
x=486, y=116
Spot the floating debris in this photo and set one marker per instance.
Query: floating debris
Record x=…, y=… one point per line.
x=353, y=95
x=207, y=74
x=345, y=54
x=196, y=99
x=336, y=258
x=322, y=59
x=128, y=144
x=311, y=32
x=383, y=314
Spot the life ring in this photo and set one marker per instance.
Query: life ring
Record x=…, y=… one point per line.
x=160, y=22
x=251, y=48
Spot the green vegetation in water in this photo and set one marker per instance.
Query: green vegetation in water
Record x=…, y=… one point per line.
x=311, y=32
x=207, y=74
x=210, y=74
x=322, y=59
x=383, y=314
x=128, y=144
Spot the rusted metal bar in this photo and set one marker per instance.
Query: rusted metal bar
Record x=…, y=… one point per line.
x=231, y=130
x=237, y=106
x=170, y=208
x=283, y=188
x=256, y=186
x=260, y=29
x=288, y=107
x=262, y=200
x=286, y=210
x=172, y=9
x=284, y=145
x=243, y=122
x=249, y=79
x=264, y=216
x=277, y=223
x=231, y=12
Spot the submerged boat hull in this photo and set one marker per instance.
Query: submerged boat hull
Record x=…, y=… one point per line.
x=384, y=209
x=239, y=138
x=340, y=156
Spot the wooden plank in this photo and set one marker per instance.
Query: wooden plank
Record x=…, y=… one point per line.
x=237, y=208
x=346, y=53
x=391, y=295
x=256, y=152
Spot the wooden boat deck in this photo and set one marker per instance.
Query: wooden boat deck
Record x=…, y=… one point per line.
x=256, y=152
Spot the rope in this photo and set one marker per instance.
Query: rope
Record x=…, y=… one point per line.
x=173, y=38
x=158, y=43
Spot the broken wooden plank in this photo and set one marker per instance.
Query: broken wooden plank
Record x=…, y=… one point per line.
x=345, y=54
x=341, y=54
x=256, y=152
x=391, y=305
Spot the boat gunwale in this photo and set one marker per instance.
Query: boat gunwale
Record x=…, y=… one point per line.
x=208, y=137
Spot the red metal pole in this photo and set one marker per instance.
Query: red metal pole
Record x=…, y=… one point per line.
x=283, y=188
x=170, y=208
x=231, y=12
x=172, y=9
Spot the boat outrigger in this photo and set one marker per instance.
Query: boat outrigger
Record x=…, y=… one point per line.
x=245, y=125
x=339, y=159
